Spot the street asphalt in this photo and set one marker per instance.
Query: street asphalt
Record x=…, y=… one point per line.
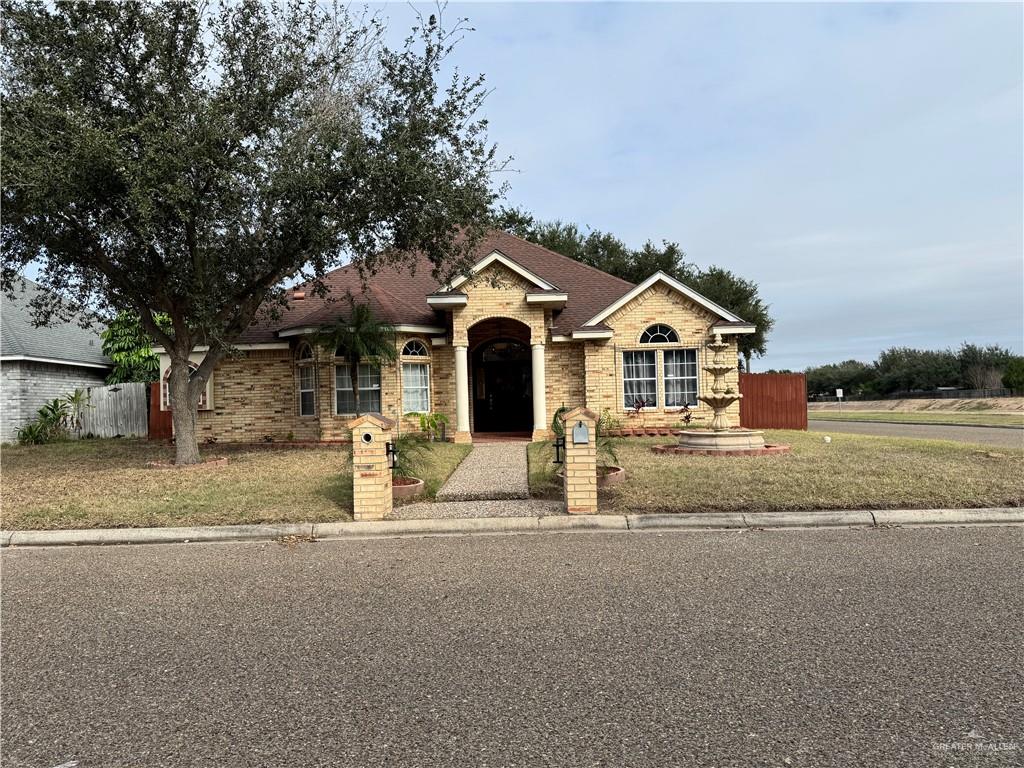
x=852, y=647
x=992, y=436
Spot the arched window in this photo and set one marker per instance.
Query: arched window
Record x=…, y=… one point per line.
x=415, y=348
x=416, y=378
x=659, y=334
x=165, y=389
x=305, y=380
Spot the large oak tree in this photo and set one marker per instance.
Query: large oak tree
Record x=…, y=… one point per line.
x=184, y=160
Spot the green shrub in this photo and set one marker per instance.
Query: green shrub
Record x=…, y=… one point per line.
x=1013, y=376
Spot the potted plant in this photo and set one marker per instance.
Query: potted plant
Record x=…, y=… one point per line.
x=409, y=451
x=608, y=470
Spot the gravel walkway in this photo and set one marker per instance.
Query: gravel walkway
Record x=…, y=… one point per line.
x=492, y=508
x=490, y=471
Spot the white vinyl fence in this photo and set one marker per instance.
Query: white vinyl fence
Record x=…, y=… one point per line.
x=118, y=409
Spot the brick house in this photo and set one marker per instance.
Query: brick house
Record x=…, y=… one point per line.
x=499, y=350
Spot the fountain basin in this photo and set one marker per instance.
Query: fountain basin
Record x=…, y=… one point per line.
x=727, y=442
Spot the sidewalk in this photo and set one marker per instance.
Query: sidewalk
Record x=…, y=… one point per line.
x=710, y=521
x=490, y=471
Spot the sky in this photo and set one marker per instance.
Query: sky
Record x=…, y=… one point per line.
x=862, y=163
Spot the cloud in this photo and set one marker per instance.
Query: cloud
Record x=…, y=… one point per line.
x=862, y=163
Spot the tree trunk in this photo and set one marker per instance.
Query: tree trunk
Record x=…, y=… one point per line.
x=353, y=372
x=746, y=363
x=184, y=411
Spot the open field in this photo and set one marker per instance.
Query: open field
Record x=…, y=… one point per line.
x=851, y=472
x=996, y=404
x=967, y=418
x=105, y=483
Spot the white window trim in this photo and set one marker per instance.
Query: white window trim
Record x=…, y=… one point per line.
x=334, y=387
x=424, y=361
x=312, y=367
x=165, y=392
x=658, y=344
x=696, y=377
x=409, y=358
x=657, y=388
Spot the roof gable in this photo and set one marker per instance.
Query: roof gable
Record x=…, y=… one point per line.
x=497, y=257
x=671, y=282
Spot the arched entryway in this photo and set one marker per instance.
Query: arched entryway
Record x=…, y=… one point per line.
x=501, y=383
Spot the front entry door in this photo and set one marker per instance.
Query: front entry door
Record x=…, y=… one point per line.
x=502, y=387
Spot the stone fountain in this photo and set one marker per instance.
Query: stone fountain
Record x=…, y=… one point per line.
x=721, y=438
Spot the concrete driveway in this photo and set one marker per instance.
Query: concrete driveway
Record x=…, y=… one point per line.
x=814, y=648
x=995, y=436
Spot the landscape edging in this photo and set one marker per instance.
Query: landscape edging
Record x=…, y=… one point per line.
x=504, y=525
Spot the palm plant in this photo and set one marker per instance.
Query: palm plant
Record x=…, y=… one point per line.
x=77, y=402
x=359, y=337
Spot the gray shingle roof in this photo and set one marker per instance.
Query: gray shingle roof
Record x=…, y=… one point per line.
x=66, y=342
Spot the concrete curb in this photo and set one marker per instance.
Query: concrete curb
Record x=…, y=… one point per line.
x=710, y=521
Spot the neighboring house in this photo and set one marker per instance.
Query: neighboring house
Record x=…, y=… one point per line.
x=40, y=364
x=498, y=351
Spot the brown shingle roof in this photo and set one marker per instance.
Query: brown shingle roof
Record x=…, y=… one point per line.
x=400, y=296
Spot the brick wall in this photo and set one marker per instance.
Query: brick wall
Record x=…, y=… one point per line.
x=603, y=360
x=256, y=394
x=25, y=386
x=497, y=292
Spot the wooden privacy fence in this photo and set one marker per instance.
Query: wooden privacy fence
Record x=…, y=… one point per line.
x=118, y=409
x=773, y=401
x=159, y=421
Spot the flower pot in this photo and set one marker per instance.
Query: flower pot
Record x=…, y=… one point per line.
x=610, y=475
x=406, y=487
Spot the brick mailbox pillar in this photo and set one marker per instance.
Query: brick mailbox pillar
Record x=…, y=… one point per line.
x=580, y=425
x=371, y=475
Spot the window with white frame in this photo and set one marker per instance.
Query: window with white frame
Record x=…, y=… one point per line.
x=165, y=389
x=369, y=389
x=415, y=388
x=306, y=375
x=415, y=348
x=659, y=334
x=680, y=371
x=639, y=379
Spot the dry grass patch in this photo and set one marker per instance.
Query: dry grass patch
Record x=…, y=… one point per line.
x=966, y=418
x=851, y=472
x=105, y=483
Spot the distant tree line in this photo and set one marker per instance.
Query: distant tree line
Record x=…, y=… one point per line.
x=902, y=369
x=608, y=253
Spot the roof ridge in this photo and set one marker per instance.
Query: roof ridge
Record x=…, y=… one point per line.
x=565, y=258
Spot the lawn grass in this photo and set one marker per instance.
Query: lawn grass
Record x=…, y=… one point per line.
x=969, y=418
x=851, y=472
x=105, y=483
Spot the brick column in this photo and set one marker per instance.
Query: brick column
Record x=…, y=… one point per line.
x=580, y=462
x=371, y=476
